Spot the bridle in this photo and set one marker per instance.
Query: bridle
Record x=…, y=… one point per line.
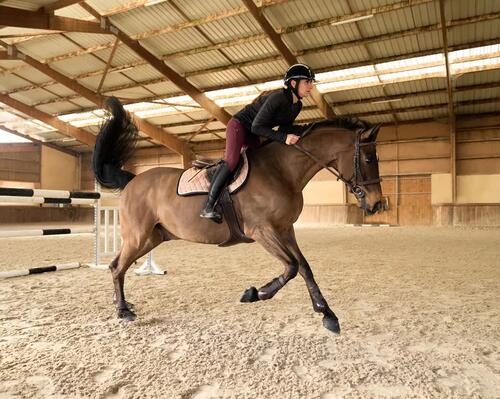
x=355, y=182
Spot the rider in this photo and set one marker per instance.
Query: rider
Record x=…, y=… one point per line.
x=278, y=108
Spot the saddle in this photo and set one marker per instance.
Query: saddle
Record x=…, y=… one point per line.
x=196, y=181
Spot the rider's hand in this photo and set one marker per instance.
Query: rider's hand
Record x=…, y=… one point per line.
x=291, y=139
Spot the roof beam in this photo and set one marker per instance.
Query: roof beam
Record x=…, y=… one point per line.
x=59, y=4
x=32, y=139
x=151, y=130
x=65, y=128
x=342, y=45
x=168, y=72
x=19, y=18
x=291, y=59
x=451, y=111
x=255, y=81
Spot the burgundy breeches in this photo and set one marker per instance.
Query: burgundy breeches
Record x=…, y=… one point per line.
x=237, y=138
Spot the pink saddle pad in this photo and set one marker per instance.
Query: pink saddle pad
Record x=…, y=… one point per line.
x=195, y=181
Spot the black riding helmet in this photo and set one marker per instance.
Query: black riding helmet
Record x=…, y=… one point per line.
x=297, y=72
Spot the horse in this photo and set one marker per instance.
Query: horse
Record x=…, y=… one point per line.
x=267, y=205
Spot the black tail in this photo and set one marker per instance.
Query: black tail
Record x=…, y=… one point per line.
x=114, y=146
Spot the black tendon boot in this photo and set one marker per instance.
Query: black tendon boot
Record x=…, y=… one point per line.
x=219, y=181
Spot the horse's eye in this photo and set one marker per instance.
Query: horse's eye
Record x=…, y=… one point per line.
x=369, y=160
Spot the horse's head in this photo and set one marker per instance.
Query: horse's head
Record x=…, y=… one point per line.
x=358, y=166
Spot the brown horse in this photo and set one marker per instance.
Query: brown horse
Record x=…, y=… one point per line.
x=151, y=212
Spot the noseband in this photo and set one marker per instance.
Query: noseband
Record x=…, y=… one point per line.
x=355, y=182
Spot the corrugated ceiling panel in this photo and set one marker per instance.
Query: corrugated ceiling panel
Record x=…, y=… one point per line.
x=297, y=12
x=323, y=36
x=435, y=113
x=112, y=80
x=406, y=45
x=132, y=93
x=32, y=5
x=479, y=108
x=10, y=64
x=78, y=65
x=269, y=69
x=145, y=19
x=477, y=94
x=58, y=108
x=251, y=51
x=474, y=32
x=231, y=28
x=163, y=88
x=365, y=107
x=33, y=75
x=89, y=40
x=47, y=46
x=36, y=95
x=231, y=76
x=198, y=62
x=379, y=119
x=361, y=5
x=105, y=5
x=176, y=41
x=416, y=86
x=197, y=9
x=466, y=8
x=424, y=14
x=60, y=90
x=74, y=11
x=479, y=78
x=11, y=82
x=142, y=73
x=354, y=94
x=122, y=56
x=337, y=59
x=418, y=101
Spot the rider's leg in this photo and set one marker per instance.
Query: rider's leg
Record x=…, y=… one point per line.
x=235, y=137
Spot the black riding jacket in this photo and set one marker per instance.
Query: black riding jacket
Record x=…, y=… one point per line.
x=269, y=111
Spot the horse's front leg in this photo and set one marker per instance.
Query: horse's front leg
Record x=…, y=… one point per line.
x=330, y=320
x=277, y=244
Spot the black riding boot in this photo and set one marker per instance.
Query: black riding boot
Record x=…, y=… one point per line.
x=219, y=181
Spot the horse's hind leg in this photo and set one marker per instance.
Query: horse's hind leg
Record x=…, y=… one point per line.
x=277, y=244
x=131, y=250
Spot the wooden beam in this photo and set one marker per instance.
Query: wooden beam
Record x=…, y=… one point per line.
x=291, y=59
x=151, y=130
x=108, y=64
x=451, y=111
x=168, y=72
x=50, y=145
x=354, y=43
x=59, y=4
x=64, y=128
x=16, y=17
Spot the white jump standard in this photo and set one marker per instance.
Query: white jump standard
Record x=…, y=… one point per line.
x=22, y=195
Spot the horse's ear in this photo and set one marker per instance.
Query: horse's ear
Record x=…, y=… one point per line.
x=370, y=134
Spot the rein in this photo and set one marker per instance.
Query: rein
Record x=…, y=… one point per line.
x=353, y=183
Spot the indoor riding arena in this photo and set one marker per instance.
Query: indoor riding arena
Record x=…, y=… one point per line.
x=401, y=229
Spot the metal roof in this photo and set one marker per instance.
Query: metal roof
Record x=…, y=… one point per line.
x=218, y=44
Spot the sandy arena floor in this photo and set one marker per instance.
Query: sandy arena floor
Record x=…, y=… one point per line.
x=419, y=310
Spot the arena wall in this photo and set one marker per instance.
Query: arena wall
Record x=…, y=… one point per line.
x=415, y=165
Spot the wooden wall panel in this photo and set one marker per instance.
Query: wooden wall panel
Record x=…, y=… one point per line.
x=20, y=162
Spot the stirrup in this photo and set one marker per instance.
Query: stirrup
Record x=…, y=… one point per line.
x=212, y=215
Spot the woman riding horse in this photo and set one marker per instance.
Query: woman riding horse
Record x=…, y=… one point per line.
x=278, y=108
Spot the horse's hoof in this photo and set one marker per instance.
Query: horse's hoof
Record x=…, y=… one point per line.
x=126, y=314
x=331, y=324
x=250, y=295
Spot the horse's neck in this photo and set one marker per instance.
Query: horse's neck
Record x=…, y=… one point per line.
x=294, y=167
